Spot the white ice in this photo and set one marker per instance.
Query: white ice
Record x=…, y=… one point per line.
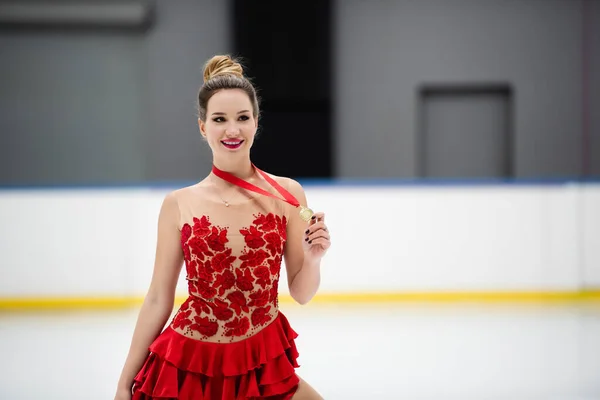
x=402, y=351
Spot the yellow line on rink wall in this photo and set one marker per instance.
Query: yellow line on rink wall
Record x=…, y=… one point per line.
x=453, y=297
x=108, y=303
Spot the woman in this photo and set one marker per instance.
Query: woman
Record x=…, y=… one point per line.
x=228, y=340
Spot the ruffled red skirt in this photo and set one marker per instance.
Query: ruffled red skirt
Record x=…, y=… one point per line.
x=259, y=367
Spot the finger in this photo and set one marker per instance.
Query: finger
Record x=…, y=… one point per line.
x=315, y=232
x=315, y=227
x=317, y=235
x=318, y=216
x=320, y=242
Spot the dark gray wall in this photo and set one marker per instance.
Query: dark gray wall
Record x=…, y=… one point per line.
x=120, y=107
x=387, y=48
x=70, y=108
x=594, y=108
x=108, y=107
x=188, y=33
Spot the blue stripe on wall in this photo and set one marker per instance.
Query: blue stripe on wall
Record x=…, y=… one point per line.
x=362, y=182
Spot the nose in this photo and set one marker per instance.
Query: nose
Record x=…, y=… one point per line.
x=232, y=131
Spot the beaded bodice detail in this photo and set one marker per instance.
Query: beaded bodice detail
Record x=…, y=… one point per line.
x=233, y=257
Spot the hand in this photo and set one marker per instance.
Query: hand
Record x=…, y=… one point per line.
x=123, y=394
x=316, y=237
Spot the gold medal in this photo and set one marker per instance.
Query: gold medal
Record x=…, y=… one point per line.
x=306, y=213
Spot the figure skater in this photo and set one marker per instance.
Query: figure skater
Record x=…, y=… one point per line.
x=232, y=230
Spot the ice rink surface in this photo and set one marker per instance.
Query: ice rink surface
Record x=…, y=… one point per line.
x=367, y=351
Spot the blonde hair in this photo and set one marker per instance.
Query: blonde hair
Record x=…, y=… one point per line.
x=223, y=72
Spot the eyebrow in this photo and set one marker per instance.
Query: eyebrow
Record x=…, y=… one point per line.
x=222, y=113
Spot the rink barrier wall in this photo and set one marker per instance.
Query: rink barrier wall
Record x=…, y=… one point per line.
x=401, y=241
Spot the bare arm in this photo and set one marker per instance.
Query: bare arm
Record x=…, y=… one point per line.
x=159, y=301
x=306, y=244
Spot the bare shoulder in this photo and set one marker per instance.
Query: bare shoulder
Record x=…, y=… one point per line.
x=191, y=190
x=175, y=197
x=292, y=185
x=170, y=205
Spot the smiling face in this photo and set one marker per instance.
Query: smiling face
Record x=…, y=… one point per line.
x=230, y=124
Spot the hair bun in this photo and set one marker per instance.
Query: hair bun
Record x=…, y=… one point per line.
x=222, y=65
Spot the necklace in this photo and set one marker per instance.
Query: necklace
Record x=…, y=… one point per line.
x=305, y=213
x=224, y=201
x=219, y=194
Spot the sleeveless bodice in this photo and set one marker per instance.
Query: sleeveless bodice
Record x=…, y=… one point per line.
x=233, y=257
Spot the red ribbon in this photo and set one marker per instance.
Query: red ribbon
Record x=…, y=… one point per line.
x=288, y=197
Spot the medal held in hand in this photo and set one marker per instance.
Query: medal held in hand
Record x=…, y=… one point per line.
x=305, y=212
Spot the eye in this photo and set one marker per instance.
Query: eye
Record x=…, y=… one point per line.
x=244, y=118
x=218, y=119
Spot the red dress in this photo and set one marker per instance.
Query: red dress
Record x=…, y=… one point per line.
x=228, y=340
